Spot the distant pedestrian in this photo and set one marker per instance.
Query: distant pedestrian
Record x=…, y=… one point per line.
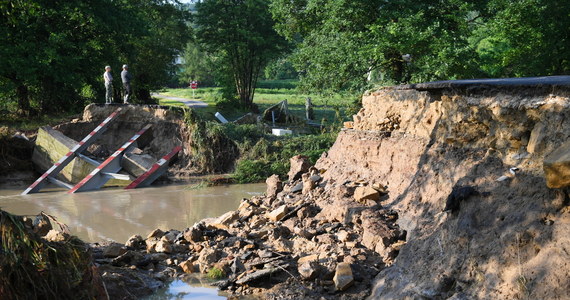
x=108, y=85
x=126, y=78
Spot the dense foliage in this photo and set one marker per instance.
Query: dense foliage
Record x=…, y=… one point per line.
x=53, y=53
x=351, y=44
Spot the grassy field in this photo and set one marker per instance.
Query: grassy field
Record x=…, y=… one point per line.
x=328, y=109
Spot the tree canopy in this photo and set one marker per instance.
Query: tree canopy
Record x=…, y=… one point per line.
x=53, y=53
x=343, y=44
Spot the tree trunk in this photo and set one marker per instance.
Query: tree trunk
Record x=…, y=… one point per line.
x=23, y=96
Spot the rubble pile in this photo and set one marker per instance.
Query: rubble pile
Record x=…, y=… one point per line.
x=283, y=244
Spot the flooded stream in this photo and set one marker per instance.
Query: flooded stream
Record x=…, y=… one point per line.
x=117, y=214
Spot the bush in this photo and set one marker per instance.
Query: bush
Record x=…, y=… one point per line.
x=266, y=158
x=215, y=273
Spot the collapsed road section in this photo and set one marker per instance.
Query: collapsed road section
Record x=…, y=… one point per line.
x=87, y=165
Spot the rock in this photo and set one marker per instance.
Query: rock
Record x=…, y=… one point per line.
x=156, y=257
x=151, y=244
x=348, y=125
x=207, y=257
x=537, y=135
x=343, y=278
x=193, y=234
x=363, y=193
x=343, y=236
x=264, y=253
x=163, y=246
x=556, y=167
x=41, y=225
x=130, y=258
x=170, y=237
x=308, y=183
x=237, y=266
x=378, y=235
x=224, y=221
x=136, y=241
x=299, y=165
x=297, y=188
x=274, y=186
x=258, y=274
x=308, y=270
x=278, y=213
x=157, y=233
x=187, y=266
x=114, y=250
x=55, y=236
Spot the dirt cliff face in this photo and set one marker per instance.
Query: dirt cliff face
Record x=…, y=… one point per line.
x=509, y=238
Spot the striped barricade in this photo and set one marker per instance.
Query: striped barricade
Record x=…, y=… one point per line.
x=155, y=171
x=109, y=168
x=87, y=141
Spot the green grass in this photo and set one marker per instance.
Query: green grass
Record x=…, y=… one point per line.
x=169, y=102
x=327, y=108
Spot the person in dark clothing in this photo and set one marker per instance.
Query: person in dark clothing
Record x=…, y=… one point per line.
x=126, y=78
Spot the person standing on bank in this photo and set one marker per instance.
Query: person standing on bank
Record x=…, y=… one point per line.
x=126, y=78
x=108, y=85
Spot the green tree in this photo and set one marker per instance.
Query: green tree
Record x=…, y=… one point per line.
x=161, y=39
x=198, y=65
x=340, y=42
x=241, y=34
x=53, y=52
x=524, y=38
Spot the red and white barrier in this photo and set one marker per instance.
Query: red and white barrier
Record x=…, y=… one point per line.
x=155, y=171
x=107, y=169
x=87, y=141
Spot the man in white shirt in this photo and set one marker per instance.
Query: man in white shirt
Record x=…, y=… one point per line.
x=108, y=85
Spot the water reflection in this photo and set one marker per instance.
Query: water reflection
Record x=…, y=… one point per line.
x=116, y=214
x=191, y=288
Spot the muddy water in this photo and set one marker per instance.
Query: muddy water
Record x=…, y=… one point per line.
x=116, y=214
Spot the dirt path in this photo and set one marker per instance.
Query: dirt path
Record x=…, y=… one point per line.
x=187, y=102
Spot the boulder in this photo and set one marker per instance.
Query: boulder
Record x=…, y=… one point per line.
x=193, y=234
x=364, y=193
x=224, y=221
x=536, y=140
x=308, y=183
x=207, y=257
x=136, y=241
x=343, y=277
x=163, y=246
x=308, y=270
x=274, y=185
x=297, y=188
x=157, y=233
x=556, y=167
x=299, y=165
x=187, y=266
x=151, y=244
x=114, y=250
x=170, y=237
x=278, y=213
